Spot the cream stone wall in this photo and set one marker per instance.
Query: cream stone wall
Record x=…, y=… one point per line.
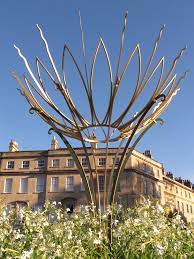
x=143, y=177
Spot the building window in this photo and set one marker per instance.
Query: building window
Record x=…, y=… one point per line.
x=171, y=187
x=159, y=189
x=178, y=205
x=185, y=194
x=8, y=185
x=183, y=207
x=55, y=163
x=84, y=162
x=41, y=163
x=69, y=184
x=153, y=189
x=117, y=160
x=137, y=164
x=158, y=172
x=25, y=164
x=82, y=188
x=102, y=161
x=23, y=185
x=70, y=162
x=10, y=165
x=146, y=191
x=40, y=183
x=54, y=184
x=101, y=183
x=144, y=167
x=187, y=208
x=191, y=209
x=176, y=189
x=189, y=195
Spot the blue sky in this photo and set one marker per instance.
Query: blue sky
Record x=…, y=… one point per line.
x=171, y=144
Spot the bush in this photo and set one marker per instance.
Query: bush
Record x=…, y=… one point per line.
x=142, y=232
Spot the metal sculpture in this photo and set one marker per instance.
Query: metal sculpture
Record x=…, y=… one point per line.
x=129, y=132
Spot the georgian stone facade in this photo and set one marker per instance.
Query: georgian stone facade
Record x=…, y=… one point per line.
x=32, y=177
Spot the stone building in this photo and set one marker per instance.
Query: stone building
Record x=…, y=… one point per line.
x=29, y=178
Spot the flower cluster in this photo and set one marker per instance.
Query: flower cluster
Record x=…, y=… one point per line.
x=141, y=232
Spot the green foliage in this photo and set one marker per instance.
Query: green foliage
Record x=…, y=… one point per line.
x=142, y=232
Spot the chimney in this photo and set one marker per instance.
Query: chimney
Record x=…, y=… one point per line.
x=13, y=146
x=170, y=175
x=94, y=144
x=54, y=144
x=148, y=153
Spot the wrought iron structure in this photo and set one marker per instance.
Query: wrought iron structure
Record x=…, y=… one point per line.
x=128, y=130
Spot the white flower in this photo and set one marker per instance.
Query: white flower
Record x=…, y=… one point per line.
x=26, y=254
x=137, y=221
x=116, y=222
x=54, y=203
x=159, y=208
x=96, y=242
x=178, y=217
x=159, y=249
x=156, y=230
x=69, y=236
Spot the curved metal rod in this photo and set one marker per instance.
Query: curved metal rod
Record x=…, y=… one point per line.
x=120, y=167
x=153, y=53
x=100, y=43
x=159, y=88
x=113, y=168
x=138, y=91
x=50, y=103
x=121, y=43
x=119, y=79
x=79, y=166
x=108, y=116
x=138, y=85
x=161, y=106
x=112, y=196
x=30, y=71
x=49, y=53
x=83, y=48
x=67, y=95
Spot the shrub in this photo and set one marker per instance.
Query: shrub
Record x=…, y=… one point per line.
x=141, y=232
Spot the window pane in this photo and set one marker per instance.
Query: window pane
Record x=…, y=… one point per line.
x=24, y=185
x=146, y=191
x=117, y=161
x=25, y=164
x=178, y=205
x=101, y=183
x=10, y=164
x=40, y=183
x=69, y=183
x=41, y=163
x=102, y=161
x=54, y=184
x=8, y=185
x=84, y=162
x=55, y=163
x=70, y=162
x=82, y=185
